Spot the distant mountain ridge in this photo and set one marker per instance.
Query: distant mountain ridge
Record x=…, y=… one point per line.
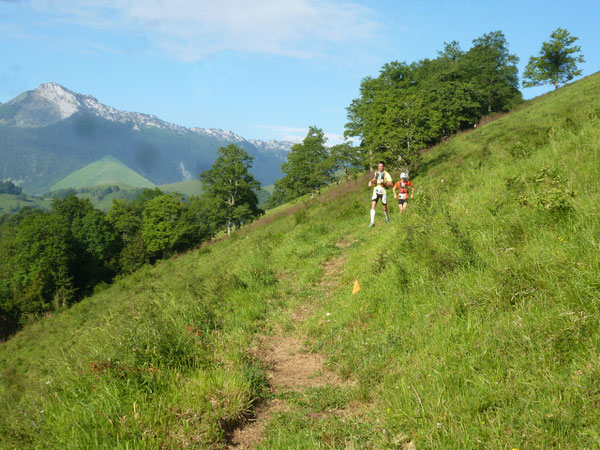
x=48, y=132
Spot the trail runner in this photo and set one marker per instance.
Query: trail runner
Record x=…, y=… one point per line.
x=402, y=187
x=381, y=179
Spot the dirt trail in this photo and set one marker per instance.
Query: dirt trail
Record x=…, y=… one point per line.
x=289, y=366
x=332, y=271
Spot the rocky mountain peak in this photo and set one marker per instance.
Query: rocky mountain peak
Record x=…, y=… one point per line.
x=52, y=102
x=65, y=100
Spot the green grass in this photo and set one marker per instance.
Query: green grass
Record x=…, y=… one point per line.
x=107, y=170
x=188, y=187
x=477, y=325
x=12, y=203
x=194, y=187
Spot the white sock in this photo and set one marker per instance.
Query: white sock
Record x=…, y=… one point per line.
x=386, y=215
x=372, y=216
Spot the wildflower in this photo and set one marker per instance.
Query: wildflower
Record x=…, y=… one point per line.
x=328, y=314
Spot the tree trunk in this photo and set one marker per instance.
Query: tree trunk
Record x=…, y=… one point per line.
x=229, y=228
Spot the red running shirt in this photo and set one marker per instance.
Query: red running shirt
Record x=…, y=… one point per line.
x=403, y=189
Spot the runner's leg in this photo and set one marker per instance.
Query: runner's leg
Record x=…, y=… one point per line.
x=373, y=205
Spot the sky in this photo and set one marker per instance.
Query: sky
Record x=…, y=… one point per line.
x=265, y=69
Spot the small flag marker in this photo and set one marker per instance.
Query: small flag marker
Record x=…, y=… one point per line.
x=356, y=287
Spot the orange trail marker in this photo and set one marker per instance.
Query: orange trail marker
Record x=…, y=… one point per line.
x=356, y=287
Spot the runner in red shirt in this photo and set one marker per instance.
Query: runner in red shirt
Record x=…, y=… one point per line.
x=402, y=187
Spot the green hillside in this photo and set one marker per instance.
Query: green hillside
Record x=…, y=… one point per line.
x=107, y=170
x=187, y=187
x=194, y=187
x=478, y=322
x=12, y=203
x=265, y=194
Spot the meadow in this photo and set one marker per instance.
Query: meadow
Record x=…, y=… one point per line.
x=11, y=203
x=477, y=324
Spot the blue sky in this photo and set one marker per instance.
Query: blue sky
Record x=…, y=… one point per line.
x=265, y=69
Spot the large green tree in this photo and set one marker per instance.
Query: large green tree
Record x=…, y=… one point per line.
x=41, y=264
x=160, y=224
x=231, y=188
x=95, y=240
x=309, y=166
x=556, y=63
x=492, y=71
x=98, y=247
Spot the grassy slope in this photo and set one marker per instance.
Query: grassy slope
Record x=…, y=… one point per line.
x=269, y=188
x=107, y=170
x=188, y=187
x=12, y=203
x=194, y=187
x=477, y=324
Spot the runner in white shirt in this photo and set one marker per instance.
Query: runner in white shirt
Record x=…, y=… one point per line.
x=380, y=181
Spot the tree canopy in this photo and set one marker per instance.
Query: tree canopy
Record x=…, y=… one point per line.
x=556, y=63
x=309, y=166
x=231, y=188
x=410, y=106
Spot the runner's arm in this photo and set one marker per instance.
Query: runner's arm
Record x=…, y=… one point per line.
x=388, y=180
x=373, y=181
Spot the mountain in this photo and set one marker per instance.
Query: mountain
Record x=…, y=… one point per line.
x=477, y=326
x=107, y=170
x=49, y=132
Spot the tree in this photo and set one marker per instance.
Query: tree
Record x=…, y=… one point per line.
x=125, y=219
x=127, y=222
x=308, y=166
x=232, y=188
x=98, y=246
x=347, y=158
x=8, y=187
x=493, y=72
x=556, y=63
x=41, y=263
x=72, y=207
x=159, y=224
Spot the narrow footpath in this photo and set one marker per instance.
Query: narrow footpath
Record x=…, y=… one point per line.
x=289, y=365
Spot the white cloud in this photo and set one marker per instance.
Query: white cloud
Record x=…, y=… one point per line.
x=192, y=29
